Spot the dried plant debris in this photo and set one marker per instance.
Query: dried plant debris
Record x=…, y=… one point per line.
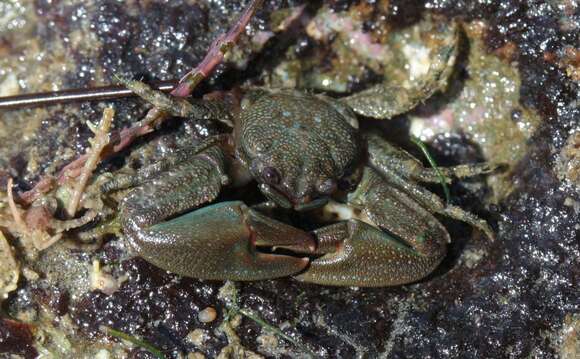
x=98, y=143
x=37, y=225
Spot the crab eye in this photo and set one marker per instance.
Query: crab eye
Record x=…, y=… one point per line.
x=327, y=187
x=346, y=184
x=271, y=175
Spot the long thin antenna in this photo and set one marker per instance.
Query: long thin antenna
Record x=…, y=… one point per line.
x=75, y=95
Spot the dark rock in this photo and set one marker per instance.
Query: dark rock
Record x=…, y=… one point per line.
x=16, y=338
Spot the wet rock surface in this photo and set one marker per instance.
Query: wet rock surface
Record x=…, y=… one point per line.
x=516, y=297
x=16, y=338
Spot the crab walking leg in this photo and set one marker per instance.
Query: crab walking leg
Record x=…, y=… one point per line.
x=179, y=107
x=189, y=82
x=166, y=164
x=404, y=169
x=219, y=241
x=436, y=205
x=386, y=101
x=390, y=240
x=460, y=171
x=165, y=105
x=385, y=157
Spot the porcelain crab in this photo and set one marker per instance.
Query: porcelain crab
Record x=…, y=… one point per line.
x=306, y=154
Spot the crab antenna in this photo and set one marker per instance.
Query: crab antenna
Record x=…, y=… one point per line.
x=75, y=95
x=184, y=88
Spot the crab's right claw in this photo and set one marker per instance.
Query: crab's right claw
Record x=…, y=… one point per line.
x=224, y=241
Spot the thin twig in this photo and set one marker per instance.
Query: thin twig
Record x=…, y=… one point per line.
x=9, y=268
x=138, y=342
x=271, y=328
x=216, y=53
x=118, y=142
x=22, y=227
x=98, y=143
x=44, y=244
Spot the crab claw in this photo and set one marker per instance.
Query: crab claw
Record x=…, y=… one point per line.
x=387, y=238
x=224, y=241
x=358, y=254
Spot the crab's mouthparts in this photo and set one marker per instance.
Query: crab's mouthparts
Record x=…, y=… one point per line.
x=304, y=203
x=310, y=204
x=285, y=200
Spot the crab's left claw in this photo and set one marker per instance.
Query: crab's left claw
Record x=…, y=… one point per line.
x=359, y=254
x=390, y=239
x=390, y=235
x=224, y=241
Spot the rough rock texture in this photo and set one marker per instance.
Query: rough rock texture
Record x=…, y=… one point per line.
x=517, y=297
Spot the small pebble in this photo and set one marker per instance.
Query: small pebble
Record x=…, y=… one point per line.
x=195, y=356
x=198, y=337
x=207, y=315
